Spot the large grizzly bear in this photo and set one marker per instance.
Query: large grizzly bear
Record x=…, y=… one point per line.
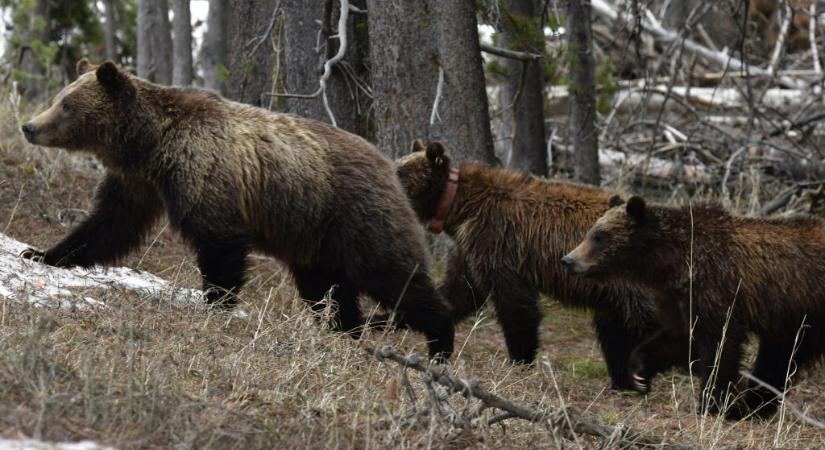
x=509, y=231
x=234, y=178
x=726, y=276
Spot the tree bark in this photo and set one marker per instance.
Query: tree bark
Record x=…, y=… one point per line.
x=250, y=55
x=110, y=31
x=213, y=54
x=406, y=54
x=154, y=61
x=464, y=110
x=582, y=100
x=182, y=70
x=404, y=59
x=304, y=62
x=523, y=92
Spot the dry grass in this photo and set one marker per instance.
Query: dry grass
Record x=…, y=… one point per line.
x=142, y=373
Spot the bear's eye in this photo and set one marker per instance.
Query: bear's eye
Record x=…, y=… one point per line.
x=599, y=238
x=65, y=109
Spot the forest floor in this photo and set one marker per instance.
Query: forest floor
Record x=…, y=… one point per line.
x=142, y=372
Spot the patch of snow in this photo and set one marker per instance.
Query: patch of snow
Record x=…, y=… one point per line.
x=42, y=285
x=32, y=444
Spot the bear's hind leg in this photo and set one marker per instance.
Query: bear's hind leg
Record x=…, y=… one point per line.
x=416, y=305
x=519, y=315
x=719, y=375
x=458, y=289
x=773, y=365
x=314, y=284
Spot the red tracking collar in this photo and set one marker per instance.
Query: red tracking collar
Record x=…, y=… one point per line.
x=438, y=221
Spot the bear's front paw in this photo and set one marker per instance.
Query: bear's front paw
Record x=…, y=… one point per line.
x=639, y=377
x=34, y=255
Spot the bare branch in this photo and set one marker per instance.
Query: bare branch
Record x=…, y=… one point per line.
x=439, y=91
x=793, y=408
x=512, y=54
x=812, y=39
x=325, y=76
x=564, y=420
x=783, y=34
x=262, y=38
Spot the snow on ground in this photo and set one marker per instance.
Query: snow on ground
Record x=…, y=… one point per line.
x=43, y=285
x=31, y=444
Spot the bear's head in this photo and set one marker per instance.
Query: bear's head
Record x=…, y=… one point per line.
x=424, y=174
x=617, y=241
x=86, y=114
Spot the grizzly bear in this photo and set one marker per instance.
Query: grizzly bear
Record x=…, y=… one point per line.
x=718, y=278
x=234, y=178
x=509, y=231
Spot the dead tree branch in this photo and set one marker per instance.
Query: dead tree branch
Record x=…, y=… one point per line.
x=506, y=53
x=564, y=421
x=325, y=76
x=651, y=25
x=791, y=407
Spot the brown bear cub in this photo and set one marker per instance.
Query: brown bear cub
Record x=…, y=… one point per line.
x=728, y=277
x=234, y=178
x=509, y=231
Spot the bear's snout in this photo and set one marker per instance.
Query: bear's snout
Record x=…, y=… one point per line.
x=573, y=265
x=28, y=131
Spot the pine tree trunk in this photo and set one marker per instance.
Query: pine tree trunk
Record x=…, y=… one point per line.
x=213, y=53
x=304, y=62
x=404, y=71
x=154, y=60
x=406, y=54
x=110, y=31
x=465, y=120
x=182, y=70
x=523, y=92
x=250, y=52
x=582, y=93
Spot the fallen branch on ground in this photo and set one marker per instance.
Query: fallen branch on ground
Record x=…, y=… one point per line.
x=791, y=407
x=563, y=422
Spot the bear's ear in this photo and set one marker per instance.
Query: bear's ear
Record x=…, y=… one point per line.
x=84, y=66
x=435, y=153
x=416, y=146
x=636, y=208
x=115, y=81
x=614, y=201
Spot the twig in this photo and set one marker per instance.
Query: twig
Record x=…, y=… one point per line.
x=14, y=209
x=339, y=55
x=793, y=408
x=438, y=93
x=728, y=166
x=261, y=39
x=512, y=54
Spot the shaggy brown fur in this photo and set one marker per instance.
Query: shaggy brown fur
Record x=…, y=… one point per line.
x=510, y=230
x=767, y=272
x=233, y=178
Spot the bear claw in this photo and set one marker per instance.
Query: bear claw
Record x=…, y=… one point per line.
x=32, y=254
x=640, y=383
